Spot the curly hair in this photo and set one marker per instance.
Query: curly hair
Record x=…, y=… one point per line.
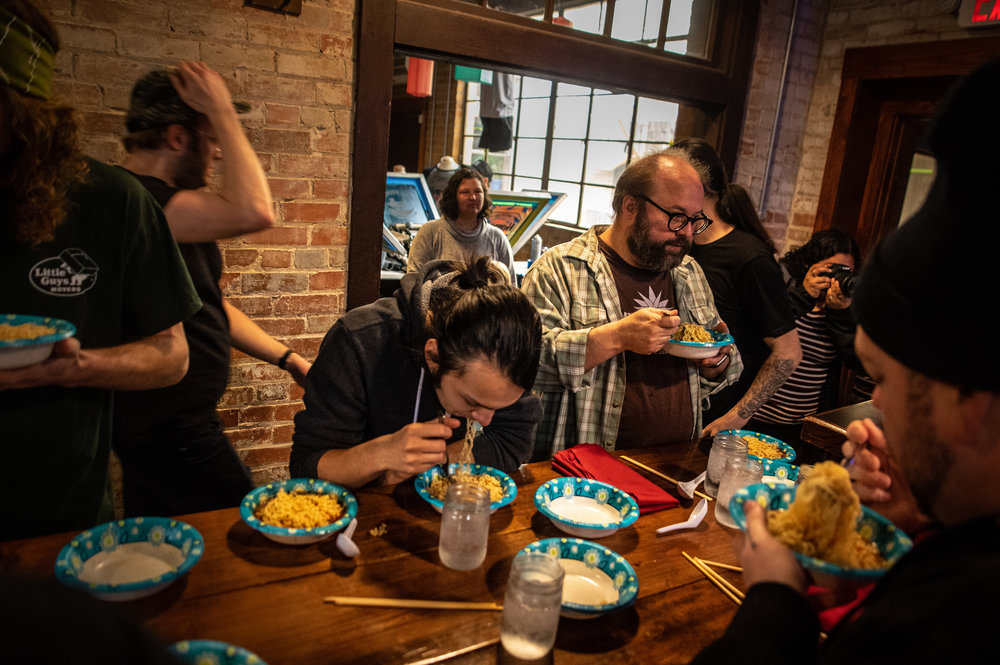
x=449, y=197
x=822, y=245
x=44, y=161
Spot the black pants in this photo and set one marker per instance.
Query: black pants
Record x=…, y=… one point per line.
x=188, y=474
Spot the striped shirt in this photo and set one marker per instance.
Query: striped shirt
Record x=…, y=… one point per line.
x=799, y=396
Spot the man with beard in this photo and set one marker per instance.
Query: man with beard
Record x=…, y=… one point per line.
x=610, y=300
x=933, y=469
x=175, y=456
x=398, y=382
x=83, y=242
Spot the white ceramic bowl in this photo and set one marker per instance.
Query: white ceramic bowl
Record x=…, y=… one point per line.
x=586, y=508
x=597, y=580
x=130, y=558
x=287, y=536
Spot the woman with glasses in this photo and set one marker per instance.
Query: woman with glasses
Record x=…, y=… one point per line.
x=737, y=256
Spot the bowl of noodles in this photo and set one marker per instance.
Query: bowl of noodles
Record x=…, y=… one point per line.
x=129, y=558
x=299, y=511
x=696, y=341
x=764, y=448
x=431, y=485
x=825, y=526
x=26, y=340
x=586, y=508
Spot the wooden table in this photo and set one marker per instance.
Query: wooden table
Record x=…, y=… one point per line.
x=827, y=430
x=268, y=597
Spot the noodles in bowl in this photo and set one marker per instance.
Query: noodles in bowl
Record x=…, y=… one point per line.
x=299, y=511
x=432, y=481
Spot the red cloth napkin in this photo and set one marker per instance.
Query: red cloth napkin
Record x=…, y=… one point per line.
x=588, y=460
x=831, y=616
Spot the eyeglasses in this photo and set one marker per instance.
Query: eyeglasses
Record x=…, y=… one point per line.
x=678, y=220
x=211, y=139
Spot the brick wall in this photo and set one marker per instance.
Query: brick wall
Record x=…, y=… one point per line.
x=824, y=29
x=296, y=72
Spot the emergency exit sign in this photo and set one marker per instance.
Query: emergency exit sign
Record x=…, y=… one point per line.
x=979, y=13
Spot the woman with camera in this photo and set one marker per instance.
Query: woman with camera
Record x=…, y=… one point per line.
x=820, y=280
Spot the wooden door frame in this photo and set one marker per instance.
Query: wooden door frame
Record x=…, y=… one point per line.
x=448, y=30
x=870, y=139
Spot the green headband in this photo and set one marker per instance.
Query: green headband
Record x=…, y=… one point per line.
x=27, y=59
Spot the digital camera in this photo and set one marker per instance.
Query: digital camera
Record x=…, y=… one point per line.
x=844, y=276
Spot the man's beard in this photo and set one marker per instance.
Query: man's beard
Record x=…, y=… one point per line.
x=190, y=168
x=651, y=255
x=926, y=460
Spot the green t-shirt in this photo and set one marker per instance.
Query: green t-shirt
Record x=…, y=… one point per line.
x=114, y=271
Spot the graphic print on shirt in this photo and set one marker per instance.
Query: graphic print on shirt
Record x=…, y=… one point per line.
x=651, y=299
x=72, y=273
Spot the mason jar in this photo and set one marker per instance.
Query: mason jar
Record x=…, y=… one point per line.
x=465, y=526
x=724, y=447
x=531, y=605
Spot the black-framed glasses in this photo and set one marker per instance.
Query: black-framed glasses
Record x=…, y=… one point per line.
x=678, y=220
x=213, y=141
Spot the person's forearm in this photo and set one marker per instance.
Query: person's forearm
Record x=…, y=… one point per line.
x=153, y=362
x=773, y=373
x=603, y=343
x=244, y=184
x=352, y=467
x=250, y=338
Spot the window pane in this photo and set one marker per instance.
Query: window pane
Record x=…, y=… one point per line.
x=526, y=184
x=688, y=27
x=568, y=210
x=643, y=149
x=596, y=206
x=532, y=87
x=589, y=18
x=534, y=118
x=567, y=160
x=605, y=162
x=530, y=154
x=472, y=124
x=570, y=90
x=638, y=21
x=612, y=117
x=655, y=120
x=571, y=117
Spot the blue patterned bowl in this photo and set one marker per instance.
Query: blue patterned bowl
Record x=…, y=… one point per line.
x=26, y=351
x=784, y=447
x=211, y=652
x=698, y=350
x=424, y=480
x=586, y=508
x=130, y=558
x=891, y=542
x=597, y=579
x=288, y=536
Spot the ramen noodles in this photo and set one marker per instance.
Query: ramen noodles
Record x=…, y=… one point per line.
x=822, y=521
x=299, y=510
x=692, y=332
x=9, y=333
x=439, y=486
x=762, y=448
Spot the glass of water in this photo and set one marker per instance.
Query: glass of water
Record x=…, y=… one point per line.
x=531, y=605
x=465, y=526
x=739, y=473
x=724, y=447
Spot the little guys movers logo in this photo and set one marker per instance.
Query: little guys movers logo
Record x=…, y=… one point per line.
x=69, y=274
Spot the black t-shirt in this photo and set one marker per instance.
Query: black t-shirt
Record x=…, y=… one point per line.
x=750, y=296
x=167, y=413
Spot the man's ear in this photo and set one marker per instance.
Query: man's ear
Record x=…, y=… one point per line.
x=630, y=204
x=431, y=355
x=176, y=137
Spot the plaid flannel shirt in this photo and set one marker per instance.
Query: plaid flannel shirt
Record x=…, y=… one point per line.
x=573, y=289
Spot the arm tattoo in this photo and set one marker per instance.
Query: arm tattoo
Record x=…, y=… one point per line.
x=774, y=372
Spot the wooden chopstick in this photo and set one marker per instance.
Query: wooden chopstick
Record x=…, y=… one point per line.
x=661, y=475
x=724, y=566
x=731, y=591
x=411, y=603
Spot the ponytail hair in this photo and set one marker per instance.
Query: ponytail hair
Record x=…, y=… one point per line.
x=479, y=315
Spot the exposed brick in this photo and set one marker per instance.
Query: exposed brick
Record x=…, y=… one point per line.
x=292, y=38
x=307, y=211
x=276, y=258
x=275, y=282
x=253, y=306
x=272, y=392
x=328, y=235
x=281, y=114
x=322, y=281
x=245, y=437
x=307, y=304
x=276, y=140
x=230, y=417
x=265, y=455
x=277, y=236
x=286, y=189
x=226, y=55
x=87, y=38
x=325, y=66
x=169, y=47
x=235, y=397
x=331, y=189
x=240, y=258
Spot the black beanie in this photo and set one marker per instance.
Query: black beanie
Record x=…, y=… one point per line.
x=928, y=293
